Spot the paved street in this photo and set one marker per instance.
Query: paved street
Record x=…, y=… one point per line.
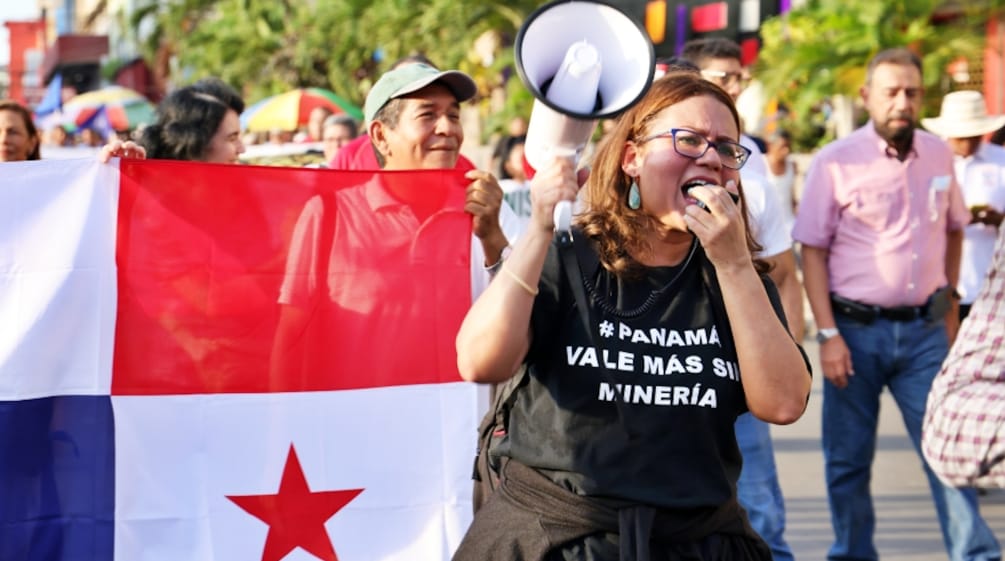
x=907, y=528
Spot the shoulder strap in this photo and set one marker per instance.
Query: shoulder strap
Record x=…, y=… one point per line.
x=504, y=394
x=574, y=273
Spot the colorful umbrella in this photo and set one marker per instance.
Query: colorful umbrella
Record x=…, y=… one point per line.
x=121, y=108
x=291, y=110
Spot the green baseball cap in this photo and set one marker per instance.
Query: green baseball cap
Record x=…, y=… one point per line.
x=412, y=78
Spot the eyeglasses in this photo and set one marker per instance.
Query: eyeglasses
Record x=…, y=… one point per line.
x=691, y=144
x=724, y=79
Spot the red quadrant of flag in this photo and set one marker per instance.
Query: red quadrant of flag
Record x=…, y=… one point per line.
x=247, y=279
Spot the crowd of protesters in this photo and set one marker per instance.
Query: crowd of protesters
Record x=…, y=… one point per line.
x=898, y=231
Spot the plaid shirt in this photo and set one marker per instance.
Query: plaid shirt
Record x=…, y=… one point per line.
x=964, y=430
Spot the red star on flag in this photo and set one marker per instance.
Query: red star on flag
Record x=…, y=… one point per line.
x=295, y=515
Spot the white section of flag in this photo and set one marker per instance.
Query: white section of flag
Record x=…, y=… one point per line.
x=409, y=447
x=57, y=278
x=178, y=457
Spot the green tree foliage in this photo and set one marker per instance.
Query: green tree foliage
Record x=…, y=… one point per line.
x=269, y=46
x=822, y=48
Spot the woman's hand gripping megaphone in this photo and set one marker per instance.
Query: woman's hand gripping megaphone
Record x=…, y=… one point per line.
x=553, y=191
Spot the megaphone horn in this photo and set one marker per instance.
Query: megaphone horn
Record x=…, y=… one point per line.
x=583, y=61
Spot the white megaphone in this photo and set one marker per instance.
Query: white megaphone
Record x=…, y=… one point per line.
x=583, y=60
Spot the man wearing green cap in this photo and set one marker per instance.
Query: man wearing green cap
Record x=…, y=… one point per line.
x=413, y=121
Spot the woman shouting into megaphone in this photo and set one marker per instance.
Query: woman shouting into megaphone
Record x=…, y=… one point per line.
x=638, y=342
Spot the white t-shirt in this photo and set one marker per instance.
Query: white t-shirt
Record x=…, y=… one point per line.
x=982, y=182
x=767, y=218
x=784, y=185
x=756, y=163
x=517, y=195
x=767, y=223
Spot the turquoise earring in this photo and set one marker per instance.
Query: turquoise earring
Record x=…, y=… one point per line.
x=634, y=197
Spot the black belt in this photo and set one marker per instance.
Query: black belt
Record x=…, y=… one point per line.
x=867, y=313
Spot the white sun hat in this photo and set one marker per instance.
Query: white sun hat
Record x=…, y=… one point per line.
x=963, y=115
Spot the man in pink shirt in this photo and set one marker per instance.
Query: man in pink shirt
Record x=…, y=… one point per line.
x=881, y=223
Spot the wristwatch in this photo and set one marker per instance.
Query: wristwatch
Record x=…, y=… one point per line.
x=826, y=333
x=494, y=268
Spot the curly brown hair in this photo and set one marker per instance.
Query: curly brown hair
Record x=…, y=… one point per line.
x=618, y=231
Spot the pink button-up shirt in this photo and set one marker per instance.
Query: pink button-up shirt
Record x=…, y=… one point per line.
x=884, y=221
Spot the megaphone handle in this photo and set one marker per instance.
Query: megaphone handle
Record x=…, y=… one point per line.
x=562, y=215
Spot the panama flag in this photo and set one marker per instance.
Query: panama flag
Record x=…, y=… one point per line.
x=218, y=362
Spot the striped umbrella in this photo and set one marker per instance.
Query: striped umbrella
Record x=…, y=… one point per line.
x=121, y=108
x=291, y=110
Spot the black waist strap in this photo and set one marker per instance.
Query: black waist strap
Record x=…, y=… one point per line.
x=867, y=313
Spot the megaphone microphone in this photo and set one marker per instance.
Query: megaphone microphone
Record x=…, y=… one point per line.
x=583, y=61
